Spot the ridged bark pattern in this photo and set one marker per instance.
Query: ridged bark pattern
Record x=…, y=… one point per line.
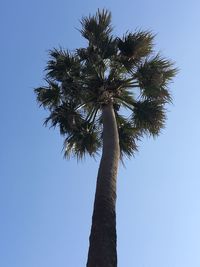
x=103, y=239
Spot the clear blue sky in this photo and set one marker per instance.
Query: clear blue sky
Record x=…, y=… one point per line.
x=45, y=201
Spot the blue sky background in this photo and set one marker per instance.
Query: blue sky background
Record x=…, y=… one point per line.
x=45, y=201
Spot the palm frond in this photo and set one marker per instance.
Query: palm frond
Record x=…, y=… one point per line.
x=72, y=91
x=126, y=98
x=82, y=142
x=153, y=77
x=149, y=116
x=107, y=47
x=128, y=136
x=117, y=68
x=97, y=26
x=66, y=117
x=62, y=65
x=48, y=96
x=136, y=45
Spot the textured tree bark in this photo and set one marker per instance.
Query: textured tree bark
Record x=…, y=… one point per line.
x=103, y=238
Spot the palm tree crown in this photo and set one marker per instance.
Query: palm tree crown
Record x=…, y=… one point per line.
x=124, y=71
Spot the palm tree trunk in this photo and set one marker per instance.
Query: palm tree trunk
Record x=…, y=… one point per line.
x=103, y=239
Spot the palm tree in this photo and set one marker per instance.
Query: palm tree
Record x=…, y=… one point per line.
x=87, y=92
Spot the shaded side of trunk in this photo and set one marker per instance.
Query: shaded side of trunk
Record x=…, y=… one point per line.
x=103, y=243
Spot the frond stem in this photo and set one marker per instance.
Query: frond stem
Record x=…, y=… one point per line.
x=124, y=103
x=84, y=104
x=95, y=113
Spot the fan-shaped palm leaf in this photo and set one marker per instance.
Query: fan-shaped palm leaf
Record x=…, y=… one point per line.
x=62, y=65
x=81, y=142
x=96, y=27
x=154, y=75
x=136, y=45
x=149, y=116
x=49, y=96
x=66, y=118
x=128, y=135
